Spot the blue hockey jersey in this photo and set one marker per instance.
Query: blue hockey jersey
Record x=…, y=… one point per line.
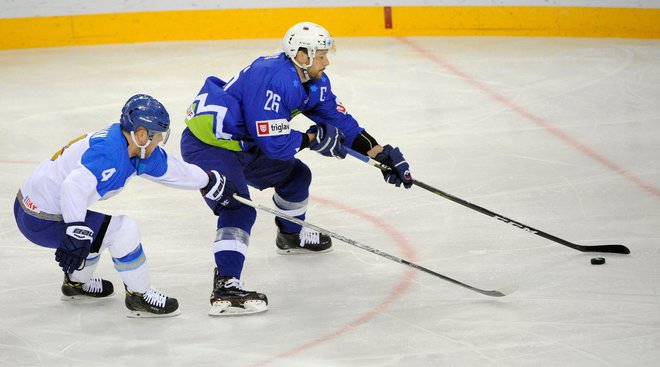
x=256, y=107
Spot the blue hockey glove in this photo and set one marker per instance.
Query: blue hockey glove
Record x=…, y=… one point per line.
x=329, y=141
x=220, y=189
x=399, y=172
x=74, y=247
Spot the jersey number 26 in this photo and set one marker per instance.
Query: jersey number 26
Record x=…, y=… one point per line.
x=272, y=101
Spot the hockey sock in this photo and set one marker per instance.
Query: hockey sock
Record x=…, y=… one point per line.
x=229, y=250
x=230, y=263
x=84, y=275
x=134, y=270
x=296, y=210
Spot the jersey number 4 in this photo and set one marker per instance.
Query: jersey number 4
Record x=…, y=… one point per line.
x=105, y=175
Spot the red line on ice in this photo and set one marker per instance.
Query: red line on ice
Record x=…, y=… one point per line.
x=401, y=286
x=539, y=121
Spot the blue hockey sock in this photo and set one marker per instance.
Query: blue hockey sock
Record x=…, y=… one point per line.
x=230, y=263
x=289, y=227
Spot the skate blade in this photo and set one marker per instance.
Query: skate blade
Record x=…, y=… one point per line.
x=149, y=315
x=223, y=308
x=83, y=298
x=301, y=251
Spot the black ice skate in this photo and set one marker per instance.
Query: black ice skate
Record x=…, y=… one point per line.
x=303, y=242
x=93, y=288
x=150, y=304
x=229, y=298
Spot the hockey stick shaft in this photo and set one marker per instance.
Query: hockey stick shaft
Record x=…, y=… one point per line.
x=493, y=293
x=614, y=248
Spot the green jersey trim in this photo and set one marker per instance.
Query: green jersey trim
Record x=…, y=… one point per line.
x=202, y=127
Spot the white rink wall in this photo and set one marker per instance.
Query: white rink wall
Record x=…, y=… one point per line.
x=39, y=8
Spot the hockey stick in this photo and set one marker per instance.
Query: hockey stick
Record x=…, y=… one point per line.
x=504, y=291
x=615, y=248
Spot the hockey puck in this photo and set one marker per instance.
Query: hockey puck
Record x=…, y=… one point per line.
x=598, y=261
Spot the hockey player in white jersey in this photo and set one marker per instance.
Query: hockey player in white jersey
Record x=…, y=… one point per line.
x=51, y=207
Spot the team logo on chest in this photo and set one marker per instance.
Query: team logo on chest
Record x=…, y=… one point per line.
x=340, y=107
x=273, y=127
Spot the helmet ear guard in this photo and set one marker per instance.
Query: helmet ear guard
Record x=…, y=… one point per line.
x=309, y=36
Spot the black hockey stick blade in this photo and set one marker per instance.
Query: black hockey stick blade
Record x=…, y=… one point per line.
x=617, y=249
x=614, y=248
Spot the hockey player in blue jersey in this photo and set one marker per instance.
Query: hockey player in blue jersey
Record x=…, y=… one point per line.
x=51, y=206
x=244, y=127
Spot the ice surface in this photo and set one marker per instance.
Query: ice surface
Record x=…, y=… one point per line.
x=559, y=134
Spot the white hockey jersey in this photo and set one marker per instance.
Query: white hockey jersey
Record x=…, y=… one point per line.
x=95, y=167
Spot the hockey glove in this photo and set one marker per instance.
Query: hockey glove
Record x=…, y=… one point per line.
x=399, y=172
x=329, y=141
x=220, y=189
x=74, y=247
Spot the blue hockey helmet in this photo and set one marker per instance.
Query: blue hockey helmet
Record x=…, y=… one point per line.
x=144, y=110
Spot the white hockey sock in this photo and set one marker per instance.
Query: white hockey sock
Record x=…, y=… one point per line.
x=84, y=275
x=134, y=270
x=138, y=280
x=123, y=241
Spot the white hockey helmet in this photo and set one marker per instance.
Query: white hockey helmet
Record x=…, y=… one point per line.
x=309, y=36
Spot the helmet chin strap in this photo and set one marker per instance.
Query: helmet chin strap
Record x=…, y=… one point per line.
x=142, y=147
x=304, y=67
x=307, y=78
